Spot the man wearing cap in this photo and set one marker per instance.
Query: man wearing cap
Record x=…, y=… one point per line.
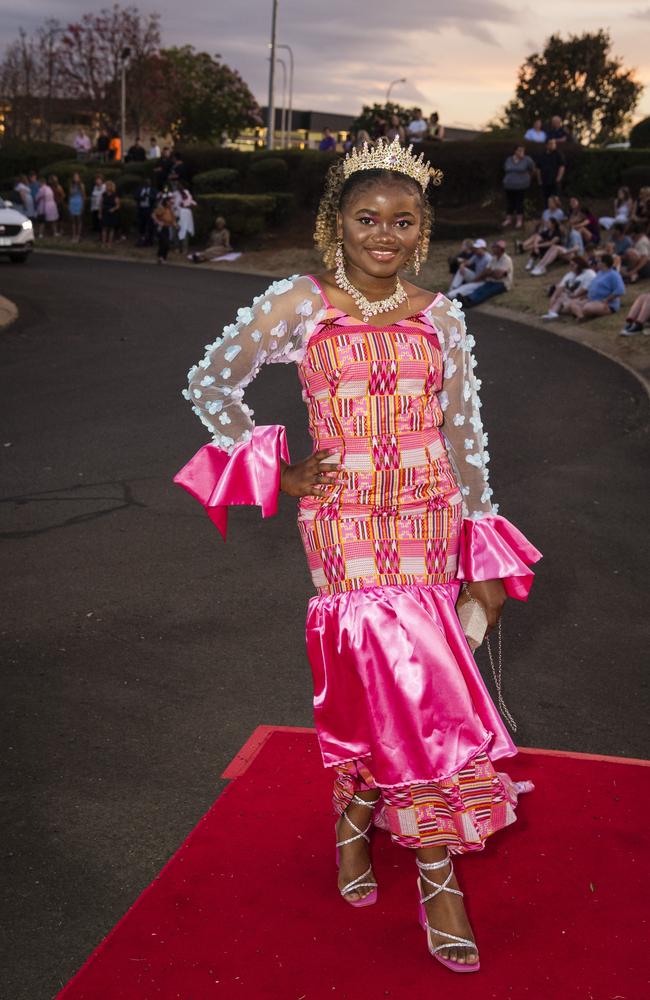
x=470, y=275
x=497, y=278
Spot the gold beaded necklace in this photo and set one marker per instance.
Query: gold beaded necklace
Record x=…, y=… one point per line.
x=367, y=308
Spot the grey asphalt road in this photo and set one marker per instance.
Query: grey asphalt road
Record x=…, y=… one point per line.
x=139, y=651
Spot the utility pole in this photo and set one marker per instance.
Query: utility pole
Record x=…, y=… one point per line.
x=283, y=115
x=270, y=125
x=290, y=51
x=126, y=52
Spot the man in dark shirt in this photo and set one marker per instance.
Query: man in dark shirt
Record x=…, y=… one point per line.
x=136, y=153
x=162, y=171
x=551, y=167
x=102, y=146
x=557, y=131
x=178, y=171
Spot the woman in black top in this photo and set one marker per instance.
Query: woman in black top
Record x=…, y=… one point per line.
x=110, y=213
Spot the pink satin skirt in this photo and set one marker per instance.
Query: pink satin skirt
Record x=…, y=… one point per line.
x=395, y=684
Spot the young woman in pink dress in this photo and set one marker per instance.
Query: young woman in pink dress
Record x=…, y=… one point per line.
x=395, y=515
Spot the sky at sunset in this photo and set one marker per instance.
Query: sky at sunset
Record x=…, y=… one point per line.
x=459, y=58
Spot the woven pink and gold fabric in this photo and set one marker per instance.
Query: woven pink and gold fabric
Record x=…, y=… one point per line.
x=460, y=812
x=371, y=395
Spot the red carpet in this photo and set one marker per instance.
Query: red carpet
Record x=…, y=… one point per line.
x=558, y=901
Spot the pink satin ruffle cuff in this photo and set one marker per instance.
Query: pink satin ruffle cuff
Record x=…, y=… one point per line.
x=491, y=548
x=250, y=475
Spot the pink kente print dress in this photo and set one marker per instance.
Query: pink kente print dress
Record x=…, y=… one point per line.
x=399, y=703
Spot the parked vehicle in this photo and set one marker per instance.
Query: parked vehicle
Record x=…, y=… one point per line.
x=16, y=233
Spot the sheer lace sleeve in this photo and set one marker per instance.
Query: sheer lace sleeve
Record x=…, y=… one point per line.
x=459, y=399
x=272, y=329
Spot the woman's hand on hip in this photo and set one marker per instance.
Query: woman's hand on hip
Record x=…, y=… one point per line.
x=492, y=595
x=314, y=476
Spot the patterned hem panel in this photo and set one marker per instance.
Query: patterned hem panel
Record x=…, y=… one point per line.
x=387, y=580
x=460, y=812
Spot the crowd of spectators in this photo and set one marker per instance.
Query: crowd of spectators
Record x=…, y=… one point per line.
x=107, y=148
x=602, y=255
x=419, y=129
x=164, y=207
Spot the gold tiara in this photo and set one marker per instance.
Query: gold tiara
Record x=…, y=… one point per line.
x=383, y=155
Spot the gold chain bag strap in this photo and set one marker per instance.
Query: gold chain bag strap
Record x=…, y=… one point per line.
x=473, y=620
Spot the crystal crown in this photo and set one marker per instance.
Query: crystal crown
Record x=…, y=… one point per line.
x=383, y=155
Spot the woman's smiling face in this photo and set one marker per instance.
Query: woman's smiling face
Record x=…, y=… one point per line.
x=380, y=226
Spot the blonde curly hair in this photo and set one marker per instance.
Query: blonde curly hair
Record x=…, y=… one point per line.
x=338, y=190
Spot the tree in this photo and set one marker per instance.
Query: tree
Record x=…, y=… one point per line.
x=372, y=113
x=90, y=58
x=30, y=82
x=579, y=80
x=203, y=98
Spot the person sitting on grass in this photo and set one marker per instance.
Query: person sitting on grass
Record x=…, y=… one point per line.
x=218, y=243
x=636, y=259
x=623, y=208
x=546, y=235
x=641, y=211
x=583, y=219
x=603, y=295
x=574, y=285
x=463, y=256
x=571, y=245
x=553, y=209
x=618, y=244
x=469, y=275
x=638, y=316
x=497, y=278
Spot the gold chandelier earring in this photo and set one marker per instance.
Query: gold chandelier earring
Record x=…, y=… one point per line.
x=416, y=261
x=339, y=257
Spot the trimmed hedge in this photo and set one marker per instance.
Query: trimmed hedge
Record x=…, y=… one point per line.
x=128, y=184
x=269, y=173
x=640, y=134
x=246, y=214
x=636, y=177
x=21, y=157
x=216, y=181
x=474, y=171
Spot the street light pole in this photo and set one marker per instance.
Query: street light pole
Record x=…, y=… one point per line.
x=270, y=126
x=126, y=52
x=391, y=85
x=283, y=116
x=290, y=51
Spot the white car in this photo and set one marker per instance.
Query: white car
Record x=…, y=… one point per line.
x=16, y=233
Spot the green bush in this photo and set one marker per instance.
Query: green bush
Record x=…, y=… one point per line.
x=640, y=135
x=21, y=157
x=128, y=215
x=245, y=214
x=201, y=157
x=636, y=177
x=128, y=184
x=216, y=181
x=64, y=169
x=268, y=173
x=143, y=168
